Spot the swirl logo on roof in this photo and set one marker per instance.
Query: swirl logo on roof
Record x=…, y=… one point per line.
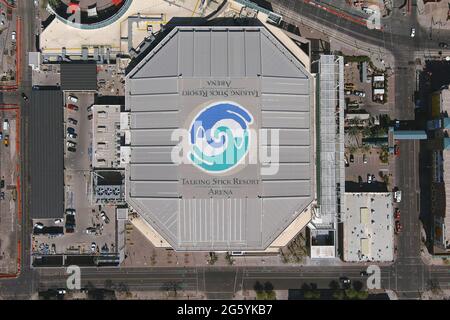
x=219, y=137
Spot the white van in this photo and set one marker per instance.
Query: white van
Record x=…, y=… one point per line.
x=5, y=125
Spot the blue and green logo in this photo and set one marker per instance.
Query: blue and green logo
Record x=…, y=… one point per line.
x=219, y=137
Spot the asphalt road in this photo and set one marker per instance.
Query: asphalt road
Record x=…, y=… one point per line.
x=408, y=276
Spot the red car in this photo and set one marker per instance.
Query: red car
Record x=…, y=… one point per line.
x=398, y=226
x=397, y=214
x=396, y=149
x=72, y=107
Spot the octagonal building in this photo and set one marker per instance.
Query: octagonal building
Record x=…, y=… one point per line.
x=182, y=96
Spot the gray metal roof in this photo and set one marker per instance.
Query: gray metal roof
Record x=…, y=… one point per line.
x=47, y=154
x=79, y=76
x=252, y=58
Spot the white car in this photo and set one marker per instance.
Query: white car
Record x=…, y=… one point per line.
x=104, y=217
x=71, y=144
x=72, y=135
x=58, y=221
x=39, y=226
x=73, y=98
x=413, y=32
x=397, y=196
x=13, y=36
x=93, y=247
x=447, y=58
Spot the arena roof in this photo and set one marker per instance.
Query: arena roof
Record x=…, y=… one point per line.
x=190, y=71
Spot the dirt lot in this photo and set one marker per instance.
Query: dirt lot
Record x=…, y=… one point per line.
x=8, y=204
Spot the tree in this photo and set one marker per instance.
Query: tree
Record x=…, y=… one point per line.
x=351, y=293
x=229, y=258
x=353, y=132
x=312, y=294
x=362, y=295
x=212, y=258
x=338, y=295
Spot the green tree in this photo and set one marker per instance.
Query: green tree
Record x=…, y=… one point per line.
x=351, y=293
x=338, y=295
x=362, y=295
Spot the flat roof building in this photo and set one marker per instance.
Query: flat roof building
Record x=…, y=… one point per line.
x=368, y=230
x=220, y=90
x=79, y=76
x=440, y=174
x=47, y=154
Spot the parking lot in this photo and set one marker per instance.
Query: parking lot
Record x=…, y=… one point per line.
x=371, y=166
x=8, y=192
x=90, y=227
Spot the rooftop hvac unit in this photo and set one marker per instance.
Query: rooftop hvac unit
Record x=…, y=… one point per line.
x=116, y=191
x=109, y=191
x=100, y=191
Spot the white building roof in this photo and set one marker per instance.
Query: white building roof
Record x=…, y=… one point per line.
x=368, y=227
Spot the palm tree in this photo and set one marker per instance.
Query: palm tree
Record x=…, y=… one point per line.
x=353, y=132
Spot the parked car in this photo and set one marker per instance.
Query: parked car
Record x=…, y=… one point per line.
x=89, y=109
x=72, y=107
x=2, y=183
x=364, y=158
x=1, y=135
x=412, y=33
x=398, y=226
x=6, y=141
x=73, y=98
x=39, y=226
x=58, y=221
x=70, y=130
x=361, y=94
x=345, y=281
x=71, y=212
x=90, y=117
x=397, y=214
x=5, y=125
x=2, y=195
x=13, y=36
x=104, y=217
x=369, y=178
x=72, y=121
x=72, y=149
x=91, y=230
x=93, y=246
x=24, y=96
x=443, y=45
x=346, y=162
x=72, y=135
x=397, y=196
x=71, y=144
x=396, y=150
x=352, y=158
